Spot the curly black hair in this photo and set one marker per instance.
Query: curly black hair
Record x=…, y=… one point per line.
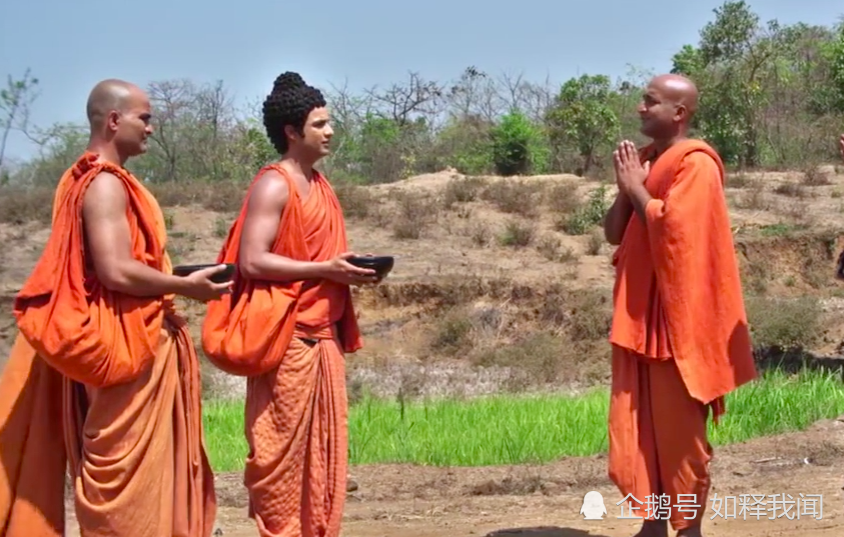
x=289, y=103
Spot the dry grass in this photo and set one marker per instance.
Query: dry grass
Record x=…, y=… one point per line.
x=514, y=197
x=358, y=202
x=19, y=206
x=462, y=190
x=785, y=323
x=518, y=234
x=546, y=317
x=815, y=176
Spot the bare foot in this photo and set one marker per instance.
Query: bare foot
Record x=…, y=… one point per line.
x=653, y=528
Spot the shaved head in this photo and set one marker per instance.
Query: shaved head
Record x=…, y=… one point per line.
x=678, y=90
x=668, y=105
x=108, y=96
x=119, y=116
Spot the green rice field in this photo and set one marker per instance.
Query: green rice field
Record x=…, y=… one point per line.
x=509, y=429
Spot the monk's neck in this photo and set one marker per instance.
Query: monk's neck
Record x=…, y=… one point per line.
x=661, y=146
x=106, y=152
x=298, y=166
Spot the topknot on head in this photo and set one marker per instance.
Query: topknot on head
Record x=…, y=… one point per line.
x=289, y=103
x=288, y=81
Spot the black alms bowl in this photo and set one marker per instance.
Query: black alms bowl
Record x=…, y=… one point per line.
x=381, y=264
x=219, y=277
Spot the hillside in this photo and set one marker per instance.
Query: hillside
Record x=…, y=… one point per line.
x=503, y=283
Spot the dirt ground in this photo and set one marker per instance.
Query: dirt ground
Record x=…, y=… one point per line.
x=461, y=242
x=545, y=500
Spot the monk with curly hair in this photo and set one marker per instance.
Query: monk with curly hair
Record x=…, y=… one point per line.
x=288, y=322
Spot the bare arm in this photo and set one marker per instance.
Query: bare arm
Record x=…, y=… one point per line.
x=260, y=227
x=256, y=260
x=110, y=245
x=639, y=197
x=615, y=222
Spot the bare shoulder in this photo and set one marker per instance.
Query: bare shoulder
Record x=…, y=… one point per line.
x=269, y=193
x=105, y=196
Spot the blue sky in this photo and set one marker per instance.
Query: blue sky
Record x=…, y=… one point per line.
x=72, y=44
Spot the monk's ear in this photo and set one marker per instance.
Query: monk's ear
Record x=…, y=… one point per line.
x=290, y=132
x=113, y=120
x=681, y=113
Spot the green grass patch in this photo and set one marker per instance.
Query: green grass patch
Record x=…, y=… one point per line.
x=522, y=429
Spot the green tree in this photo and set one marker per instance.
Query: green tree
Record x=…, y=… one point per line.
x=516, y=145
x=582, y=117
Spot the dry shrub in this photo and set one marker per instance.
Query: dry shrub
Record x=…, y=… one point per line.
x=591, y=315
x=221, y=227
x=539, y=354
x=784, y=323
x=753, y=198
x=462, y=190
x=791, y=190
x=587, y=215
x=224, y=197
x=356, y=201
x=738, y=180
x=551, y=248
x=563, y=198
x=480, y=234
x=755, y=276
x=22, y=205
x=518, y=234
x=452, y=332
x=416, y=211
x=815, y=176
x=220, y=196
x=514, y=197
x=596, y=242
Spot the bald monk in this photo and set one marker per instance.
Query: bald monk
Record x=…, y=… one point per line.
x=288, y=323
x=680, y=340
x=103, y=377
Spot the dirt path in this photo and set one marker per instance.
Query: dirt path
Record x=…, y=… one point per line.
x=545, y=500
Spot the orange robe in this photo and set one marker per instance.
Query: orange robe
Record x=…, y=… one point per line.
x=106, y=382
x=679, y=334
x=288, y=338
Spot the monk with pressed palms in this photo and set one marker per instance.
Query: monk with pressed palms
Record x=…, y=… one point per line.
x=103, y=377
x=288, y=323
x=679, y=335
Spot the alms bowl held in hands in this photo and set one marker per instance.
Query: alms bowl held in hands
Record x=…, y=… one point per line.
x=219, y=277
x=381, y=264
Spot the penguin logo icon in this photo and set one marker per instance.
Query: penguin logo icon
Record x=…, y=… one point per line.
x=593, y=506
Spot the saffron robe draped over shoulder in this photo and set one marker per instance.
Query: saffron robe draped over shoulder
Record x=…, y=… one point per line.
x=289, y=339
x=679, y=335
x=105, y=381
x=678, y=290
x=247, y=332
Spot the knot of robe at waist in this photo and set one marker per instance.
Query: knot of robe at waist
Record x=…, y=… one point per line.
x=309, y=333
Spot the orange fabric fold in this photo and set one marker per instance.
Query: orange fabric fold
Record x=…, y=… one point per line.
x=658, y=448
x=106, y=382
x=86, y=332
x=247, y=332
x=33, y=460
x=289, y=339
x=296, y=423
x=678, y=291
